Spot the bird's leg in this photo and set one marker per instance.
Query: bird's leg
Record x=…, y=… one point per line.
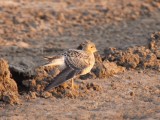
x=72, y=84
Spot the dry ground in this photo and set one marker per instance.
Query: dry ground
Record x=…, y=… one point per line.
x=30, y=30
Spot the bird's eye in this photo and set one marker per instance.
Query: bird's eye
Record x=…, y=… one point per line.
x=83, y=44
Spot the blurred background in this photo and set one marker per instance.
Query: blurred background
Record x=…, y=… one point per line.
x=31, y=29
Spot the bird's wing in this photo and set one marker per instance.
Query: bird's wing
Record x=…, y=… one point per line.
x=65, y=75
x=77, y=59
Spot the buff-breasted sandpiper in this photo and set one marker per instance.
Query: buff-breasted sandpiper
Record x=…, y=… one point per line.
x=74, y=63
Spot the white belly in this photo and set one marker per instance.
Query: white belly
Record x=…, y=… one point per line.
x=88, y=69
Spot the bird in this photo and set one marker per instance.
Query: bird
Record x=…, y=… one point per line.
x=73, y=63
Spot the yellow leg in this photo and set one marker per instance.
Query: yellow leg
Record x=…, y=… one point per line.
x=72, y=84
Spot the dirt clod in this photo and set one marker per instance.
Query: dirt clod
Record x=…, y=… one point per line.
x=8, y=87
x=93, y=86
x=134, y=57
x=107, y=69
x=155, y=44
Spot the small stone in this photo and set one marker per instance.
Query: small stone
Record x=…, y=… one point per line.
x=32, y=95
x=46, y=94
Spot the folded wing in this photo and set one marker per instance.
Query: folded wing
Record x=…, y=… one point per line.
x=77, y=59
x=65, y=75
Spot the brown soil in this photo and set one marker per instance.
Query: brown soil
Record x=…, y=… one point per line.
x=8, y=87
x=142, y=57
x=125, y=81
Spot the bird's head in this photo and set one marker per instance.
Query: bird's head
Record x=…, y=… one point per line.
x=89, y=46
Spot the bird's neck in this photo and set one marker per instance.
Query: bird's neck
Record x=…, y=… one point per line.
x=89, y=52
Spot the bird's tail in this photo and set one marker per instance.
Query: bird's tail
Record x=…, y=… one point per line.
x=55, y=61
